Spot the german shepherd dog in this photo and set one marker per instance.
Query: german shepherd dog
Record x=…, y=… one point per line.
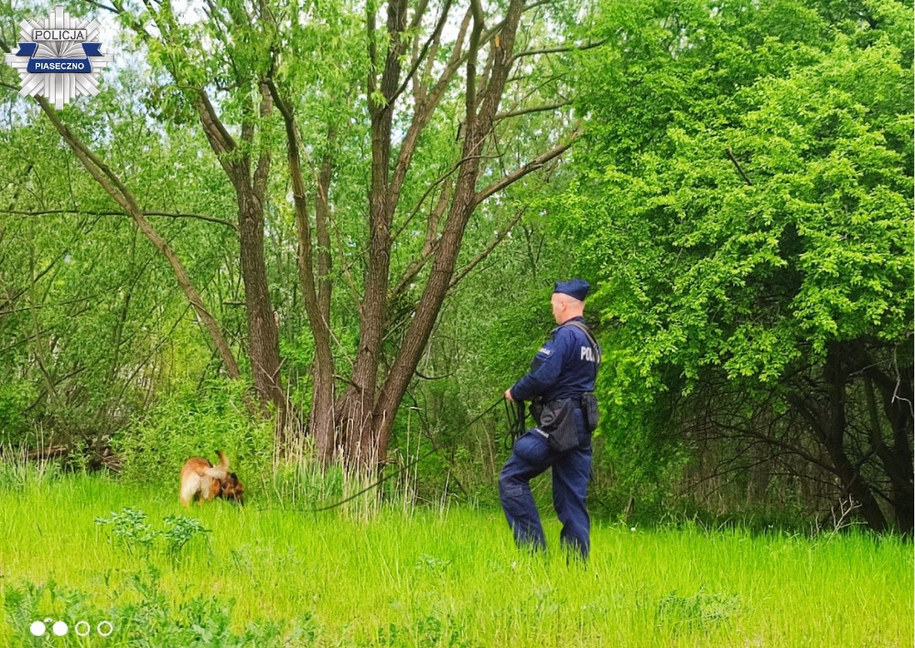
x=201, y=480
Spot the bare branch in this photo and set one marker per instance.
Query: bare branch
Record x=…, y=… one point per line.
x=303, y=228
x=371, y=29
x=354, y=291
x=422, y=54
x=216, y=132
x=430, y=243
x=262, y=170
x=737, y=164
x=322, y=218
x=103, y=6
x=487, y=250
x=559, y=50
x=470, y=99
x=535, y=5
x=424, y=112
x=528, y=111
x=533, y=165
x=422, y=199
x=52, y=212
x=456, y=53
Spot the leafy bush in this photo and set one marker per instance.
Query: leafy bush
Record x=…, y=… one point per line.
x=130, y=529
x=15, y=396
x=149, y=619
x=197, y=422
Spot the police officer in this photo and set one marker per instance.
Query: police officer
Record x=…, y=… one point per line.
x=562, y=373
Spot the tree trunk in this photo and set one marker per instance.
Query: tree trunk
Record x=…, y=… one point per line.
x=480, y=110
x=263, y=342
x=427, y=311
x=250, y=191
x=355, y=410
x=322, y=413
x=896, y=396
x=316, y=292
x=834, y=428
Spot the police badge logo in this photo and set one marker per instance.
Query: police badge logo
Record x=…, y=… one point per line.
x=59, y=58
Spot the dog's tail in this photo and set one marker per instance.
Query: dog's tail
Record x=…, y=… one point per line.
x=220, y=470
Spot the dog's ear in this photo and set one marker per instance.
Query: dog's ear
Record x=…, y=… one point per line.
x=223, y=461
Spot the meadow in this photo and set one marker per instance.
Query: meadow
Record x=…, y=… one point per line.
x=88, y=549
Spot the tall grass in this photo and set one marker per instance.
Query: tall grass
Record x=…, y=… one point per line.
x=264, y=576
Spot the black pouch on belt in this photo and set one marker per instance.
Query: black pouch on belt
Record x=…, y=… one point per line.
x=557, y=420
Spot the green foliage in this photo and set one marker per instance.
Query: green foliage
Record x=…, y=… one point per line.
x=129, y=528
x=91, y=316
x=700, y=610
x=147, y=618
x=714, y=271
x=197, y=422
x=743, y=200
x=15, y=397
x=431, y=631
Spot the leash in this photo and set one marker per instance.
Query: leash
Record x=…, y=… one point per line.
x=515, y=414
x=411, y=464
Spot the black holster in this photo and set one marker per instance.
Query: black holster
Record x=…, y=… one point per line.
x=536, y=408
x=589, y=410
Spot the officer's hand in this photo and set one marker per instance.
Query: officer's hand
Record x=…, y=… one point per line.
x=508, y=395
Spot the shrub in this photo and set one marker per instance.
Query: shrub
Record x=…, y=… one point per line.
x=197, y=422
x=150, y=619
x=15, y=397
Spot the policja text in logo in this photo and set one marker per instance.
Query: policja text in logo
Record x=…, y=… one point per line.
x=59, y=58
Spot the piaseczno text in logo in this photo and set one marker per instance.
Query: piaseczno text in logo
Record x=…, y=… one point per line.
x=59, y=58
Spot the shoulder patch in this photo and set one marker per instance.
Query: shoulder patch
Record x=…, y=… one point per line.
x=545, y=351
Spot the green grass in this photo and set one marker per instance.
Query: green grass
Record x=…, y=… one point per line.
x=392, y=577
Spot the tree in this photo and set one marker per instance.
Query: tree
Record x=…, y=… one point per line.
x=89, y=318
x=353, y=104
x=746, y=194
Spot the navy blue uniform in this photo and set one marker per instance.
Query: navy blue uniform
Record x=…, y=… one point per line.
x=564, y=367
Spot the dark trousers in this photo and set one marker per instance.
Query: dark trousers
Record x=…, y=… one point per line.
x=532, y=454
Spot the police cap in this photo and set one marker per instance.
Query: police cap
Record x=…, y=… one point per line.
x=577, y=288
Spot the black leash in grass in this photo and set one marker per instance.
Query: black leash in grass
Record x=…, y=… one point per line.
x=417, y=460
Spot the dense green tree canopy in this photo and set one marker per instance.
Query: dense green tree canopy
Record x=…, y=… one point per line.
x=745, y=195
